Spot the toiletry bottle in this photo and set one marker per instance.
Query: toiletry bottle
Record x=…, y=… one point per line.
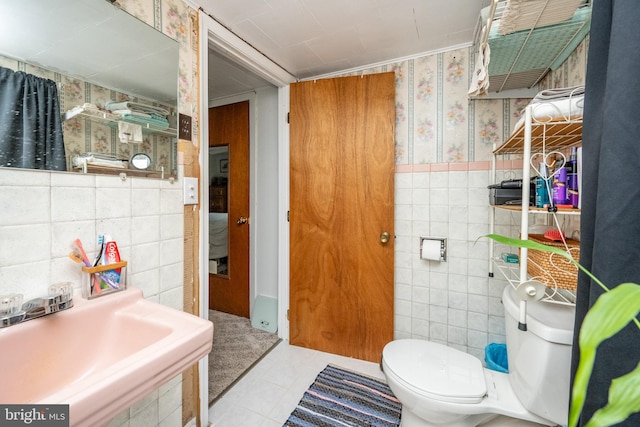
x=572, y=178
x=111, y=256
x=560, y=186
x=542, y=191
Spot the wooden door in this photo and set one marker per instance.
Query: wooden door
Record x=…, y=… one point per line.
x=342, y=187
x=229, y=125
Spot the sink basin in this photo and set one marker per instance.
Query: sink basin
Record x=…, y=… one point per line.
x=100, y=356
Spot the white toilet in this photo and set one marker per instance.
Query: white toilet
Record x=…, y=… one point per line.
x=441, y=386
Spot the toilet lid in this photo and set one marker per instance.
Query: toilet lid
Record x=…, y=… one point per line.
x=436, y=371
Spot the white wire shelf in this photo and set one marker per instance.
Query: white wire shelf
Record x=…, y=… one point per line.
x=511, y=272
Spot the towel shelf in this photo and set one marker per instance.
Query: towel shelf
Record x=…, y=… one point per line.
x=521, y=59
x=543, y=136
x=109, y=118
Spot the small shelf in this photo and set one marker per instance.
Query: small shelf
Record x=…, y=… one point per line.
x=518, y=208
x=107, y=117
x=539, y=135
x=511, y=272
x=550, y=135
x=106, y=170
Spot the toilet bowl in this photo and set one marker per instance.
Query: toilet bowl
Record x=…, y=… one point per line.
x=442, y=386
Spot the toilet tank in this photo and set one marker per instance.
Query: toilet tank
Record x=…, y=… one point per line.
x=540, y=357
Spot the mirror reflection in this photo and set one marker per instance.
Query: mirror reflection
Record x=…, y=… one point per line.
x=140, y=161
x=219, y=210
x=96, y=55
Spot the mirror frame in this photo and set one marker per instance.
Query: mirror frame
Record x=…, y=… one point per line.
x=136, y=159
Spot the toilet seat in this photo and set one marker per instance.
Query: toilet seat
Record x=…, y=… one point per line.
x=435, y=371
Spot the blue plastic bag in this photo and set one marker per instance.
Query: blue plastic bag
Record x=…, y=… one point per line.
x=495, y=356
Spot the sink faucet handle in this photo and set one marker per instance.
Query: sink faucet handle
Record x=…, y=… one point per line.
x=10, y=304
x=62, y=289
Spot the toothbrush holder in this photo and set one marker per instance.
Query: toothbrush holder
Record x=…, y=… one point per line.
x=104, y=279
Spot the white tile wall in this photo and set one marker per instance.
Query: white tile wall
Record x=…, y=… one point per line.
x=41, y=213
x=454, y=302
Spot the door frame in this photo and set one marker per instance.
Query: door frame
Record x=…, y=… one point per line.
x=214, y=34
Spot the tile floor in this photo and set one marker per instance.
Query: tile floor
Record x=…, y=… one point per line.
x=268, y=393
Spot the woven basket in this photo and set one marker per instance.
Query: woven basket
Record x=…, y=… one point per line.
x=554, y=271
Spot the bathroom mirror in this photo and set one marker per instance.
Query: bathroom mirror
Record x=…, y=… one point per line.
x=219, y=210
x=96, y=42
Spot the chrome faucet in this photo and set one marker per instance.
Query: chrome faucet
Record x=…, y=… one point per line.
x=13, y=311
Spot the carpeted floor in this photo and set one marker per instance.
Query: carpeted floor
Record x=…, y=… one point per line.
x=237, y=346
x=339, y=397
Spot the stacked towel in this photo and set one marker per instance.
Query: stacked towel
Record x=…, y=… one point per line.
x=135, y=107
x=147, y=116
x=556, y=104
x=558, y=93
x=153, y=123
x=521, y=15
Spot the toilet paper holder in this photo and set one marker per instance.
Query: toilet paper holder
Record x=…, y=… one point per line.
x=433, y=248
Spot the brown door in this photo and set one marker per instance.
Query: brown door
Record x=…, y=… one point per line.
x=342, y=183
x=229, y=126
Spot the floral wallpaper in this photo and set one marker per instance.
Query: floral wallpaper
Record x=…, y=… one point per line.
x=174, y=18
x=436, y=122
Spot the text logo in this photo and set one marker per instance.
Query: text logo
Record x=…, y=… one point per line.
x=34, y=415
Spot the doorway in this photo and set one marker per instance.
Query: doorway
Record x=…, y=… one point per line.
x=267, y=187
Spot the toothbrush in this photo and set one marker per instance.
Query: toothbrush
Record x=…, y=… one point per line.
x=85, y=258
x=101, y=250
x=76, y=257
x=82, y=255
x=95, y=286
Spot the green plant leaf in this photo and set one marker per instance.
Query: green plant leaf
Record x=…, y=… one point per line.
x=624, y=400
x=611, y=312
x=529, y=244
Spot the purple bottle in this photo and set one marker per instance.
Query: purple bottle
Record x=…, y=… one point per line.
x=560, y=187
x=572, y=179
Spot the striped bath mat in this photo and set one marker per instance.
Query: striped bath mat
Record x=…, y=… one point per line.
x=339, y=397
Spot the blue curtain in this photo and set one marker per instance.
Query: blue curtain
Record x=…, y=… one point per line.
x=30, y=122
x=610, y=225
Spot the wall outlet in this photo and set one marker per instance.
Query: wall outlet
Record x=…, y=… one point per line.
x=190, y=191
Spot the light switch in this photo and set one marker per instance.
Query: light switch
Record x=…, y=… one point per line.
x=190, y=191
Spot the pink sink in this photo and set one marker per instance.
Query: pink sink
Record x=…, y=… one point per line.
x=100, y=356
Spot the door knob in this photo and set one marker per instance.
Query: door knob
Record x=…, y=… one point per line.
x=241, y=220
x=384, y=237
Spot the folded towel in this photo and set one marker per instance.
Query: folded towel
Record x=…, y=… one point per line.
x=132, y=112
x=521, y=15
x=129, y=132
x=480, y=78
x=558, y=93
x=146, y=122
x=82, y=160
x=135, y=106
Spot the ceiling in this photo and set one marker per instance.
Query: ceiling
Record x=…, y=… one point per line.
x=310, y=38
